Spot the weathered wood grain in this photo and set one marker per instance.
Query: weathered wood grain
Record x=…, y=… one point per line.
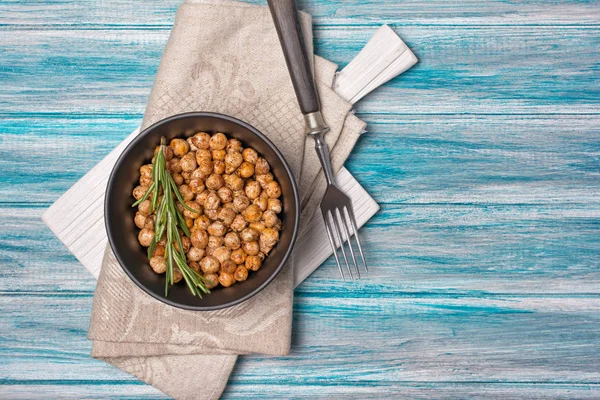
x=328, y=389
x=484, y=278
x=402, y=159
x=353, y=342
x=490, y=70
x=446, y=251
x=31, y=13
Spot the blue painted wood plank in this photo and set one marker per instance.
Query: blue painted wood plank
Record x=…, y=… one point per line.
x=432, y=251
x=355, y=342
x=402, y=159
x=485, y=280
x=415, y=390
x=483, y=70
x=410, y=12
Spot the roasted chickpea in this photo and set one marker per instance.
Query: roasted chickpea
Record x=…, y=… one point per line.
x=218, y=155
x=193, y=205
x=205, y=168
x=253, y=263
x=212, y=201
x=219, y=167
x=187, y=176
x=178, y=179
x=264, y=179
x=240, y=274
x=139, y=220
x=274, y=205
x=228, y=266
x=213, y=215
x=188, y=162
x=234, y=182
x=139, y=192
x=217, y=228
x=251, y=248
x=238, y=256
x=189, y=222
x=195, y=254
x=226, y=279
x=262, y=166
x=144, y=207
x=211, y=281
x=209, y=265
x=202, y=222
x=249, y=235
x=232, y=161
x=270, y=218
x=268, y=238
x=232, y=240
x=222, y=253
x=197, y=174
x=159, y=250
x=190, y=142
x=214, y=242
x=261, y=202
x=234, y=145
x=246, y=170
x=252, y=213
x=158, y=264
x=226, y=216
x=250, y=155
x=200, y=140
x=253, y=189
x=258, y=226
x=185, y=241
x=202, y=196
x=146, y=170
x=194, y=264
x=273, y=189
x=186, y=192
x=174, y=166
x=225, y=194
x=218, y=141
x=239, y=223
x=214, y=182
x=180, y=147
x=168, y=153
x=145, y=237
x=199, y=238
x=145, y=181
x=150, y=221
x=230, y=206
x=177, y=275
x=241, y=202
x=196, y=186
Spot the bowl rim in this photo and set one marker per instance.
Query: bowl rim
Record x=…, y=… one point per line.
x=135, y=142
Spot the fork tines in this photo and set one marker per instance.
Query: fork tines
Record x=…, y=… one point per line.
x=338, y=221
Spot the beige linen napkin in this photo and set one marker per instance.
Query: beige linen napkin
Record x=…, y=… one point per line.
x=225, y=58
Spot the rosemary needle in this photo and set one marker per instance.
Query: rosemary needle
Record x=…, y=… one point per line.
x=168, y=222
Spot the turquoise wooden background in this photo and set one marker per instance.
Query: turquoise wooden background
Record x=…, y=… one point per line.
x=485, y=158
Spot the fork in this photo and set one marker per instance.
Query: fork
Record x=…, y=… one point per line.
x=336, y=207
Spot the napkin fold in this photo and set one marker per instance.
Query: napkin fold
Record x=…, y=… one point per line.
x=221, y=57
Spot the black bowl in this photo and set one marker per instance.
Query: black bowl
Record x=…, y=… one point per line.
x=122, y=232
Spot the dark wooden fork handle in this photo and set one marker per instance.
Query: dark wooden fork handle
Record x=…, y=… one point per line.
x=285, y=16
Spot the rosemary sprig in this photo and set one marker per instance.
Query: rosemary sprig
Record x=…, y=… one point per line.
x=168, y=222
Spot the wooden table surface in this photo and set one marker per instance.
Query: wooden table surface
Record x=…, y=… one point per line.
x=485, y=158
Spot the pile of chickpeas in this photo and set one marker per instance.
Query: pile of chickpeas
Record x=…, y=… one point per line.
x=237, y=200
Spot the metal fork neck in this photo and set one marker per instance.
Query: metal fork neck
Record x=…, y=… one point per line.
x=316, y=127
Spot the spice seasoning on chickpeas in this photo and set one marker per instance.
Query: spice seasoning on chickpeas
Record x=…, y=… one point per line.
x=225, y=220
